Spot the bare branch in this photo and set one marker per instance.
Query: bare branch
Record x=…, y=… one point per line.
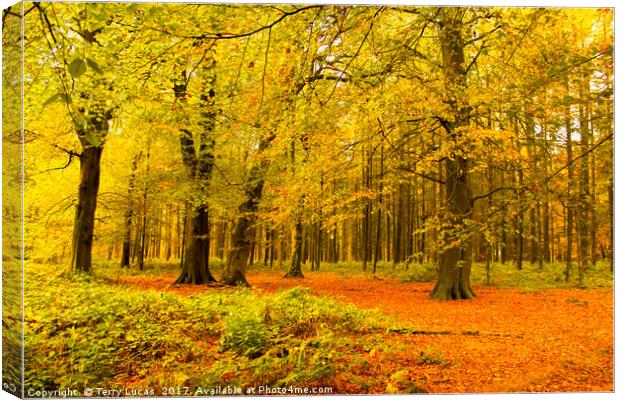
x=482, y=36
x=491, y=193
x=218, y=36
x=355, y=55
x=425, y=176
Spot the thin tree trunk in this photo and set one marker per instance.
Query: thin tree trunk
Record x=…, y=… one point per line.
x=169, y=223
x=295, y=269
x=583, y=201
x=183, y=237
x=610, y=195
x=539, y=259
x=593, y=219
x=569, y=202
x=379, y=207
x=519, y=255
x=129, y=213
x=144, y=212
x=366, y=226
x=319, y=227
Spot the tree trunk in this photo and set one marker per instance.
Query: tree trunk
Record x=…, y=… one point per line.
x=546, y=235
x=90, y=167
x=583, y=201
x=610, y=195
x=196, y=261
x=183, y=239
x=455, y=260
x=169, y=224
x=144, y=211
x=366, y=225
x=594, y=220
x=244, y=233
x=539, y=259
x=198, y=154
x=267, y=246
x=569, y=202
x=295, y=270
x=129, y=214
x=379, y=207
x=520, y=217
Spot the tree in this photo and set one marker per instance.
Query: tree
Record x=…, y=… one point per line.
x=241, y=246
x=85, y=88
x=198, y=154
x=390, y=135
x=129, y=213
x=455, y=260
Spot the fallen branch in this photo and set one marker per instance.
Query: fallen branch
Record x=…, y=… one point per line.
x=405, y=331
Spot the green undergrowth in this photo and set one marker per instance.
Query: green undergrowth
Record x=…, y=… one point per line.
x=551, y=276
x=83, y=331
x=529, y=278
x=152, y=267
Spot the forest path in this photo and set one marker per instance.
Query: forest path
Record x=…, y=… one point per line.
x=505, y=340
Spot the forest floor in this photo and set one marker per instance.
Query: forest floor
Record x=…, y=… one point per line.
x=505, y=340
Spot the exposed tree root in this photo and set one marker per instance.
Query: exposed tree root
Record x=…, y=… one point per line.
x=294, y=273
x=236, y=279
x=185, y=278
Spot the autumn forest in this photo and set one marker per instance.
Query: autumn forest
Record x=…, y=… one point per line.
x=319, y=199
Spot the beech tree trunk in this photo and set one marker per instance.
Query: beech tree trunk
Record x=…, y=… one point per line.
x=243, y=235
x=198, y=152
x=90, y=167
x=295, y=270
x=196, y=260
x=455, y=259
x=239, y=255
x=241, y=244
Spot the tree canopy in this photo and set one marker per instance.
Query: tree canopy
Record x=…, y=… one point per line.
x=317, y=133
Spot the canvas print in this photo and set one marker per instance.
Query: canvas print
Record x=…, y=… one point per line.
x=289, y=199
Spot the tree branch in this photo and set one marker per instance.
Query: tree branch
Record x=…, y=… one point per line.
x=483, y=35
x=429, y=177
x=43, y=15
x=354, y=56
x=491, y=193
x=218, y=36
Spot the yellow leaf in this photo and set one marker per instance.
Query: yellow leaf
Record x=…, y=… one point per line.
x=391, y=388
